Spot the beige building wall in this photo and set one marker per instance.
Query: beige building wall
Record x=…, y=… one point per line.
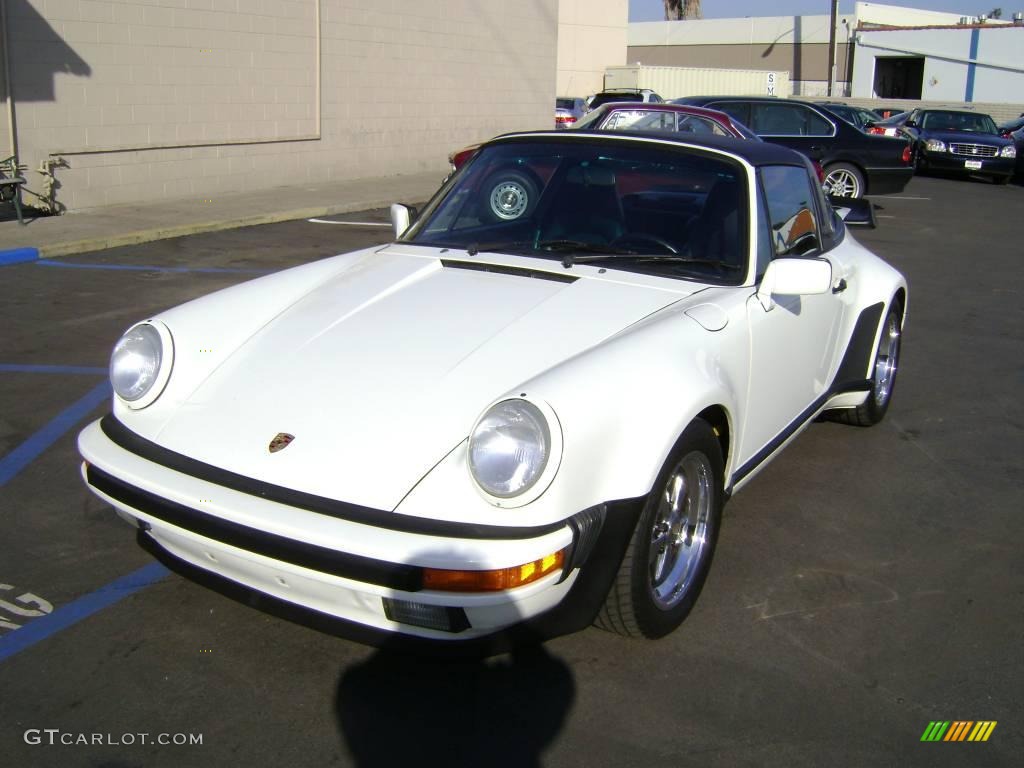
x=151, y=99
x=591, y=36
x=798, y=44
x=804, y=62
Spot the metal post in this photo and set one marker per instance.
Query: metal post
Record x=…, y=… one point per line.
x=831, y=46
x=8, y=93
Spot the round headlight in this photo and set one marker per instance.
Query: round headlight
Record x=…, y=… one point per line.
x=509, y=448
x=135, y=365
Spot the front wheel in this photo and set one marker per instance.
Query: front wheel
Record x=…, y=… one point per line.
x=844, y=180
x=670, y=553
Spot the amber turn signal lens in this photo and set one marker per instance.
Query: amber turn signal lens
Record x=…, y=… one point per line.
x=492, y=581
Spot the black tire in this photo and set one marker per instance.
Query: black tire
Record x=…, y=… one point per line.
x=848, y=177
x=883, y=377
x=509, y=194
x=1000, y=180
x=639, y=604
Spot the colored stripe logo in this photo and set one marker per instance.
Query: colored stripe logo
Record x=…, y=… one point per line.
x=958, y=730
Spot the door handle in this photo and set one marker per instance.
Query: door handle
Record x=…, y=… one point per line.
x=839, y=287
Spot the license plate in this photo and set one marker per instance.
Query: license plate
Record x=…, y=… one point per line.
x=974, y=165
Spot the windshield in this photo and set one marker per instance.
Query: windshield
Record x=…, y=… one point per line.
x=605, y=98
x=958, y=121
x=655, y=209
x=895, y=120
x=1012, y=125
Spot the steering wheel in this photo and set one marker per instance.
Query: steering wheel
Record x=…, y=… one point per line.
x=643, y=237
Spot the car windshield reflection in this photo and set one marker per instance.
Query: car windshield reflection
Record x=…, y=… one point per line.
x=553, y=200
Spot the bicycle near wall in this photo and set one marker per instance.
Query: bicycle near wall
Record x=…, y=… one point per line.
x=11, y=179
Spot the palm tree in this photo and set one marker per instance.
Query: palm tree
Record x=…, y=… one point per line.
x=682, y=9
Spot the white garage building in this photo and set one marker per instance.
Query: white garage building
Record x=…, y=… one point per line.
x=964, y=62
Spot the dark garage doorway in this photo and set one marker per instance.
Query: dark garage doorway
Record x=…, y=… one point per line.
x=899, y=77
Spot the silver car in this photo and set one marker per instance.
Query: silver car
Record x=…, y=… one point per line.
x=568, y=110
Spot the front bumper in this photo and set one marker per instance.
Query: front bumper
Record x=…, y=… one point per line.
x=988, y=166
x=354, y=571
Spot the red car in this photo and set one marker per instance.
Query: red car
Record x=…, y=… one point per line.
x=647, y=116
x=621, y=116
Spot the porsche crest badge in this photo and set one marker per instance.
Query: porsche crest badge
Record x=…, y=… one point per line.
x=281, y=441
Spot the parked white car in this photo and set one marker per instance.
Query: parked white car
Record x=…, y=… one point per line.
x=529, y=409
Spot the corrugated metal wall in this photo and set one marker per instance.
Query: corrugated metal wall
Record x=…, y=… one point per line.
x=675, y=82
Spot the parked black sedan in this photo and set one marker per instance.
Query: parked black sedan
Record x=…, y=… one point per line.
x=855, y=163
x=961, y=142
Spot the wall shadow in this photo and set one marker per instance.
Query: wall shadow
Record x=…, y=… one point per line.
x=397, y=709
x=37, y=54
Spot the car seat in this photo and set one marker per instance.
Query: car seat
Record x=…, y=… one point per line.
x=715, y=233
x=586, y=208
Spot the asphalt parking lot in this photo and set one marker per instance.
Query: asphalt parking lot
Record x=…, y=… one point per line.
x=869, y=581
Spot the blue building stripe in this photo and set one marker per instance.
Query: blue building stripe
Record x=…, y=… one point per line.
x=28, y=451
x=975, y=40
x=43, y=627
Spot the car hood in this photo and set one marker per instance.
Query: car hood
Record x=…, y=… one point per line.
x=382, y=369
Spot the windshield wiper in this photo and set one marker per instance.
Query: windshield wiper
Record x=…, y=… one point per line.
x=474, y=248
x=675, y=258
x=572, y=247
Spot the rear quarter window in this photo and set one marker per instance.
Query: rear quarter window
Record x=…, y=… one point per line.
x=791, y=206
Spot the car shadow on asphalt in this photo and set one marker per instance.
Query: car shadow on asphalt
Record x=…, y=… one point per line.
x=500, y=701
x=399, y=709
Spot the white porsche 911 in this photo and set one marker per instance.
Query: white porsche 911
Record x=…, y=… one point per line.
x=527, y=410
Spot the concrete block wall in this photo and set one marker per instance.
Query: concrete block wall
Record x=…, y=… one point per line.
x=591, y=36
x=160, y=99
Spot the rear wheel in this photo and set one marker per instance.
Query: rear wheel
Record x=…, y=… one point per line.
x=1000, y=180
x=672, y=546
x=844, y=180
x=883, y=378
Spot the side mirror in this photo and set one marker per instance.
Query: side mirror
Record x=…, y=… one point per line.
x=794, y=277
x=910, y=124
x=401, y=217
x=854, y=211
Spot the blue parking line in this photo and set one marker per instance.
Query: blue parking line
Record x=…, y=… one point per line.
x=146, y=268
x=43, y=627
x=18, y=255
x=65, y=369
x=28, y=451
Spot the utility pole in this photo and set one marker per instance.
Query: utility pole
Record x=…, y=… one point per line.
x=831, y=46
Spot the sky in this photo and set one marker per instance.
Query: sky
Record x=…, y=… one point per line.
x=654, y=10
